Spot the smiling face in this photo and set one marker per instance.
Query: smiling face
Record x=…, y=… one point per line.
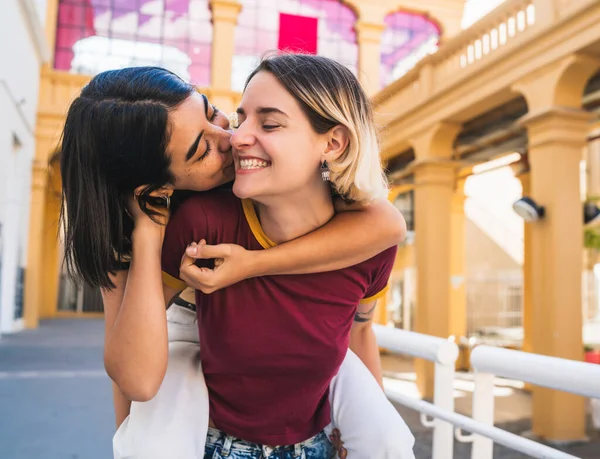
x=199, y=145
x=275, y=149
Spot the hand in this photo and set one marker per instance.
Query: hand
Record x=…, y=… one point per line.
x=338, y=444
x=233, y=263
x=140, y=218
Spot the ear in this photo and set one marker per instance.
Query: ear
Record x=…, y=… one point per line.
x=162, y=192
x=338, y=139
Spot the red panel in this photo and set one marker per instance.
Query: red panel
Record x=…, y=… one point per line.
x=298, y=33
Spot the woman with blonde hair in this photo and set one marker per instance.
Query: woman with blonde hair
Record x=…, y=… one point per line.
x=271, y=345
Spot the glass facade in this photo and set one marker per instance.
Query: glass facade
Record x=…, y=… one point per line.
x=96, y=35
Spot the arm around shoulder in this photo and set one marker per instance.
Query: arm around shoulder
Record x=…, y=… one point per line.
x=355, y=234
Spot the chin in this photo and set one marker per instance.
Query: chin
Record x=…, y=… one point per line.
x=241, y=191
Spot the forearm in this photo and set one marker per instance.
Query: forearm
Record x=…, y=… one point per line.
x=348, y=239
x=112, y=300
x=122, y=405
x=136, y=351
x=364, y=344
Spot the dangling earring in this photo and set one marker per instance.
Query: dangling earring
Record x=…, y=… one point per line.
x=168, y=201
x=325, y=171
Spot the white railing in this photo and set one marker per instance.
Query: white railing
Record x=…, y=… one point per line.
x=443, y=353
x=487, y=361
x=554, y=373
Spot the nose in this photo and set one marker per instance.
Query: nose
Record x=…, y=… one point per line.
x=224, y=140
x=242, y=137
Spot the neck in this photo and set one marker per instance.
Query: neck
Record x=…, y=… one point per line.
x=288, y=217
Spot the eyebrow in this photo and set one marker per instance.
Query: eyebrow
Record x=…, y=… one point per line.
x=192, y=151
x=206, y=104
x=263, y=111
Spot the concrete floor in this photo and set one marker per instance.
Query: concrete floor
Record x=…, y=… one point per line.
x=56, y=401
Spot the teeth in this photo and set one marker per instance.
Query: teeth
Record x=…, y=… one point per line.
x=252, y=163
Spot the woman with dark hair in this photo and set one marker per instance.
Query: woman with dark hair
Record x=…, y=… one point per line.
x=127, y=131
x=144, y=131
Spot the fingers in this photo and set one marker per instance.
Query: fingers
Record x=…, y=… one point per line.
x=195, y=276
x=205, y=251
x=336, y=441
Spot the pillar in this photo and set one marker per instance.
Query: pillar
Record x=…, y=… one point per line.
x=50, y=25
x=458, y=295
x=527, y=272
x=33, y=275
x=434, y=178
x=224, y=19
x=556, y=141
x=368, y=37
x=50, y=280
x=47, y=138
x=557, y=129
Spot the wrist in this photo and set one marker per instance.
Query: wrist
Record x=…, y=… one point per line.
x=147, y=233
x=258, y=264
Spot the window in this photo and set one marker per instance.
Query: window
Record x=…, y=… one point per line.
x=325, y=27
x=97, y=35
x=407, y=39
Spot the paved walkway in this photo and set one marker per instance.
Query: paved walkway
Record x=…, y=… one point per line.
x=55, y=398
x=56, y=401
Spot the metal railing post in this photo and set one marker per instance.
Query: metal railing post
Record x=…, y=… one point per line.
x=443, y=397
x=483, y=411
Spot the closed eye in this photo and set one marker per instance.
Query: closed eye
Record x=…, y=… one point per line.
x=215, y=113
x=205, y=154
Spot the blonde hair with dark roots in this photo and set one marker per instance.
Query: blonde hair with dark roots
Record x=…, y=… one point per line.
x=330, y=95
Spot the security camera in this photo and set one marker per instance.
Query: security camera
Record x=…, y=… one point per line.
x=591, y=215
x=528, y=210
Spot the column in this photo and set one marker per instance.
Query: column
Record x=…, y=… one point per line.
x=557, y=130
x=47, y=138
x=224, y=19
x=527, y=272
x=434, y=178
x=50, y=25
x=33, y=275
x=458, y=295
x=368, y=37
x=556, y=141
x=50, y=280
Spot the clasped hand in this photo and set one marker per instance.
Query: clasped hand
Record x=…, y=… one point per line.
x=233, y=263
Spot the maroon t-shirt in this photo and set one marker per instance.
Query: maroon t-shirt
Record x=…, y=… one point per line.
x=269, y=345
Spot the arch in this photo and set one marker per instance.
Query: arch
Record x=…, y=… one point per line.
x=408, y=37
x=560, y=84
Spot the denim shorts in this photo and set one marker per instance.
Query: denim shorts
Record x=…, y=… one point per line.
x=219, y=445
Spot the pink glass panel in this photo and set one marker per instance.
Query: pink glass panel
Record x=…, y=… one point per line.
x=257, y=32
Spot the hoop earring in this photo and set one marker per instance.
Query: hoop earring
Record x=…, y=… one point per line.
x=325, y=173
x=168, y=199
